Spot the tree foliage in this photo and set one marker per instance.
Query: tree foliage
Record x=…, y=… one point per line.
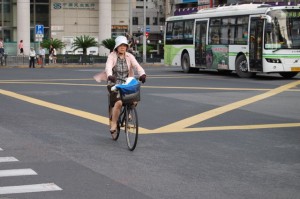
x=56, y=43
x=148, y=48
x=84, y=42
x=109, y=44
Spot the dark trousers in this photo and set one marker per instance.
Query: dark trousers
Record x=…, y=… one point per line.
x=32, y=62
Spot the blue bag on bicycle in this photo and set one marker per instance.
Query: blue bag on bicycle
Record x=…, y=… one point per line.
x=131, y=86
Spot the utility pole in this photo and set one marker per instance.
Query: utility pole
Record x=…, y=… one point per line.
x=144, y=35
x=130, y=18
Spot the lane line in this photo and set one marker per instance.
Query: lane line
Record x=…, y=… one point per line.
x=8, y=159
x=71, y=111
x=221, y=110
x=225, y=128
x=144, y=86
x=17, y=172
x=91, y=79
x=29, y=188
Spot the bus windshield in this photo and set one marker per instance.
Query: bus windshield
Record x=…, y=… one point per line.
x=284, y=30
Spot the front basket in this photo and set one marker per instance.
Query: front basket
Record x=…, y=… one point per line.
x=132, y=97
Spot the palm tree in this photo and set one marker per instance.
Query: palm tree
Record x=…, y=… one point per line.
x=84, y=42
x=56, y=43
x=109, y=44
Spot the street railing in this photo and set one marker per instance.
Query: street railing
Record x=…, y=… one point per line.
x=10, y=60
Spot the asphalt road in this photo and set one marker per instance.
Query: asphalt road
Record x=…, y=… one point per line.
x=203, y=135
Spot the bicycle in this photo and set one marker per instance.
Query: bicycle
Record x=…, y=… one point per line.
x=128, y=118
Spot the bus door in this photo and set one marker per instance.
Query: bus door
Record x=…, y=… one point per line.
x=200, y=43
x=255, y=41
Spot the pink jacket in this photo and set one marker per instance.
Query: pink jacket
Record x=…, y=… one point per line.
x=20, y=45
x=111, y=62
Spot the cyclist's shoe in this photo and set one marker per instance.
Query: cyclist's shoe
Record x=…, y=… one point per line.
x=113, y=128
x=113, y=134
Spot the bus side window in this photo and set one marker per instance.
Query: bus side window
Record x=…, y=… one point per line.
x=188, y=32
x=240, y=33
x=224, y=31
x=231, y=28
x=231, y=35
x=178, y=30
x=215, y=39
x=241, y=28
x=169, y=35
x=224, y=35
x=214, y=31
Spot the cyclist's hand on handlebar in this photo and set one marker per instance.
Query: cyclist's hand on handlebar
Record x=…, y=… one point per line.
x=143, y=78
x=112, y=79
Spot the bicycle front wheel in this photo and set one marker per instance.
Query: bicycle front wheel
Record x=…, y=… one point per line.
x=131, y=128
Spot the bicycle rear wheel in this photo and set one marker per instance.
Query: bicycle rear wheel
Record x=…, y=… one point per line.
x=131, y=127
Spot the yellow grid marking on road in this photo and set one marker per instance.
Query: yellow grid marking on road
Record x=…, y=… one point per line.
x=71, y=111
x=180, y=126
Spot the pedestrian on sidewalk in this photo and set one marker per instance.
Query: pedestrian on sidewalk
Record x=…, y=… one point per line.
x=2, y=55
x=1, y=43
x=21, y=47
x=54, y=56
x=32, y=58
x=51, y=54
x=42, y=53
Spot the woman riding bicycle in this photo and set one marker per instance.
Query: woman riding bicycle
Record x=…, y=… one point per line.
x=120, y=65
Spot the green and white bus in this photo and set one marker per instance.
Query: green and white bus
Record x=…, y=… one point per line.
x=247, y=39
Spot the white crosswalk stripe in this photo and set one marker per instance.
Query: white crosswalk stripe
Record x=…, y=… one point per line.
x=30, y=188
x=8, y=159
x=17, y=172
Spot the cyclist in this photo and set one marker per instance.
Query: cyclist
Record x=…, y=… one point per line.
x=120, y=65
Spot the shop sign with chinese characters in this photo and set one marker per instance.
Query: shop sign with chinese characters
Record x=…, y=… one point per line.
x=73, y=5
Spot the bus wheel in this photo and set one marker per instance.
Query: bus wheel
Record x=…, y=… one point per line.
x=288, y=75
x=185, y=63
x=241, y=67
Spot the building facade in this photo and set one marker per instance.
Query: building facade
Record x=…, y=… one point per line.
x=101, y=19
x=67, y=19
x=16, y=19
